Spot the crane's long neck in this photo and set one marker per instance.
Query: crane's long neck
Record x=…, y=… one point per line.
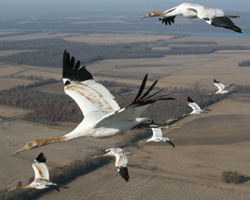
x=20, y=187
x=43, y=142
x=157, y=14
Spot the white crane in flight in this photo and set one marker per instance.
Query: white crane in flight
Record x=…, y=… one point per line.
x=41, y=180
x=102, y=115
x=212, y=16
x=121, y=161
x=157, y=135
x=222, y=89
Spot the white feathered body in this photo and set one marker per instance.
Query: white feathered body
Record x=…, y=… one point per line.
x=157, y=135
x=104, y=117
x=41, y=180
x=191, y=11
x=196, y=108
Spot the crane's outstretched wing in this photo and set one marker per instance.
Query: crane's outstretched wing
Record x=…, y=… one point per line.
x=219, y=85
x=40, y=168
x=123, y=171
x=217, y=18
x=121, y=165
x=115, y=150
x=224, y=22
x=136, y=108
x=156, y=130
x=192, y=104
x=227, y=87
x=92, y=97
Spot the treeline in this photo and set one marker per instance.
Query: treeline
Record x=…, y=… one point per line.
x=29, y=77
x=48, y=52
x=244, y=64
x=52, y=108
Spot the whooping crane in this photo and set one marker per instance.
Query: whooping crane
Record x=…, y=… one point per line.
x=121, y=161
x=212, y=16
x=222, y=89
x=157, y=135
x=196, y=108
x=41, y=180
x=102, y=115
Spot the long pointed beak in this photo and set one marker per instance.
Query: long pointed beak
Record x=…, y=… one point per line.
x=18, y=151
x=143, y=17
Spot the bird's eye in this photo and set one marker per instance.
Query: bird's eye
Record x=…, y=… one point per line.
x=30, y=144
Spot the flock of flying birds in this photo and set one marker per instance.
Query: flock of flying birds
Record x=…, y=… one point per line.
x=103, y=116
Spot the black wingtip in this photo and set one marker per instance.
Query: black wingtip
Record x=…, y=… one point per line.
x=145, y=99
x=236, y=29
x=216, y=81
x=41, y=158
x=225, y=22
x=141, y=88
x=73, y=71
x=55, y=187
x=171, y=143
x=190, y=100
x=123, y=171
x=168, y=20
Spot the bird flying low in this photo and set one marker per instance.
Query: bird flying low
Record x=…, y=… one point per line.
x=196, y=108
x=157, y=135
x=212, y=16
x=102, y=115
x=222, y=89
x=41, y=180
x=121, y=161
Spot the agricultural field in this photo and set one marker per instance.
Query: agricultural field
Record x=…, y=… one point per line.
x=206, y=145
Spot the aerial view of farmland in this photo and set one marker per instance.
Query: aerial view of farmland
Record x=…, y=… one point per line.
x=82, y=90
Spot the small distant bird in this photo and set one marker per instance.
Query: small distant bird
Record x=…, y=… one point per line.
x=41, y=180
x=121, y=161
x=212, y=16
x=196, y=108
x=157, y=135
x=222, y=89
x=103, y=116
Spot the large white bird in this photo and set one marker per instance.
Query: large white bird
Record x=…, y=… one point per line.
x=41, y=180
x=121, y=161
x=222, y=89
x=157, y=135
x=102, y=115
x=196, y=108
x=212, y=16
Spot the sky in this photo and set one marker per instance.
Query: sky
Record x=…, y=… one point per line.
x=43, y=6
